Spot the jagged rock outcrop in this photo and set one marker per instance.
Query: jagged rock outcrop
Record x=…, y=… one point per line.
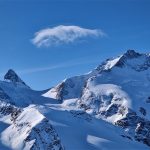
x=34, y=129
x=45, y=137
x=135, y=126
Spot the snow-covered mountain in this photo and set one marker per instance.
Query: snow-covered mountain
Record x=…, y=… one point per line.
x=115, y=91
x=107, y=108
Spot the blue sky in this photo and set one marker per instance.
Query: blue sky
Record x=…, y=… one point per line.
x=126, y=25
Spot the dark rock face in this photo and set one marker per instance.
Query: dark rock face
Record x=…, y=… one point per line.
x=61, y=91
x=131, y=54
x=143, y=111
x=14, y=114
x=148, y=100
x=113, y=109
x=13, y=77
x=138, y=126
x=6, y=109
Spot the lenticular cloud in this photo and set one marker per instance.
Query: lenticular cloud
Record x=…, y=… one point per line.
x=63, y=35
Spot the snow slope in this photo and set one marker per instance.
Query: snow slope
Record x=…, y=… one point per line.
x=77, y=130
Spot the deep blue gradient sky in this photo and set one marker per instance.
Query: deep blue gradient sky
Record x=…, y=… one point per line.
x=126, y=23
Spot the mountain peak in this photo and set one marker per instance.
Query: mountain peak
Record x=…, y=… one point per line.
x=13, y=77
x=128, y=56
x=131, y=54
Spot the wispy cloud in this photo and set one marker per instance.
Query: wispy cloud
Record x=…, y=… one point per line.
x=63, y=35
x=52, y=67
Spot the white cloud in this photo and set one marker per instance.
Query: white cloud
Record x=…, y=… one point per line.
x=63, y=35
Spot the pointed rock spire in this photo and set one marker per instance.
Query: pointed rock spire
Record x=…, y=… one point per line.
x=13, y=77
